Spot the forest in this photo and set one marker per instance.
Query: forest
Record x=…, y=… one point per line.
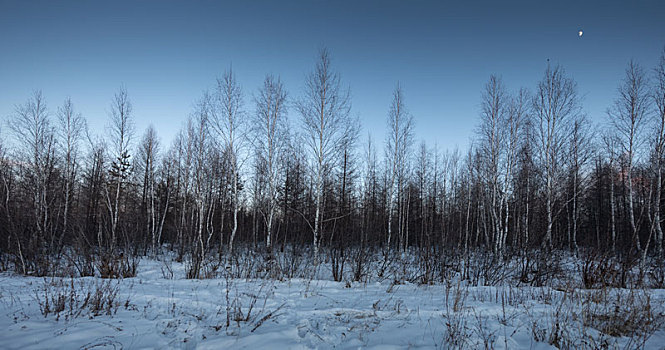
x=263, y=181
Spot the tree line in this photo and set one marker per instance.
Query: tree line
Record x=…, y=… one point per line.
x=268, y=170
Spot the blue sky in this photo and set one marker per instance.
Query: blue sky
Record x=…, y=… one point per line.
x=442, y=53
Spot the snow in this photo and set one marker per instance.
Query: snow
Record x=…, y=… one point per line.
x=153, y=312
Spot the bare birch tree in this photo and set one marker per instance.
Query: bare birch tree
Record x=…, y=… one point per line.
x=580, y=152
x=627, y=115
x=148, y=152
x=229, y=123
x=514, y=123
x=199, y=144
x=168, y=177
x=659, y=147
x=555, y=104
x=71, y=129
x=398, y=146
x=121, y=131
x=324, y=110
x=610, y=144
x=36, y=140
x=492, y=151
x=269, y=126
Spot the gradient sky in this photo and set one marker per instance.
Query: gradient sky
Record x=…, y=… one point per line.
x=167, y=53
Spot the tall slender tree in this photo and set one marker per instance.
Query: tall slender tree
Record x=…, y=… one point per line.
x=492, y=133
x=121, y=133
x=555, y=104
x=71, y=129
x=270, y=131
x=659, y=147
x=324, y=109
x=398, y=145
x=229, y=123
x=148, y=153
x=627, y=115
x=36, y=137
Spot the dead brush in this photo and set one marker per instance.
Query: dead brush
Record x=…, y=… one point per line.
x=599, y=271
x=656, y=274
x=457, y=332
x=71, y=298
x=560, y=325
x=102, y=298
x=112, y=265
x=603, y=318
x=246, y=309
x=166, y=268
x=456, y=295
x=620, y=314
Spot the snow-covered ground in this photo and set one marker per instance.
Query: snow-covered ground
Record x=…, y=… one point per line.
x=150, y=311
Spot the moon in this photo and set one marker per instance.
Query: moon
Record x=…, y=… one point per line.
x=579, y=33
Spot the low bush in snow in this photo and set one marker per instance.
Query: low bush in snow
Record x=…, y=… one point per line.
x=72, y=298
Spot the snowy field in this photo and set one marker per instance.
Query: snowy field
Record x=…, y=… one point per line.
x=154, y=312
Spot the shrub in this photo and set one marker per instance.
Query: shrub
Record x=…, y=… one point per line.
x=112, y=265
x=72, y=299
